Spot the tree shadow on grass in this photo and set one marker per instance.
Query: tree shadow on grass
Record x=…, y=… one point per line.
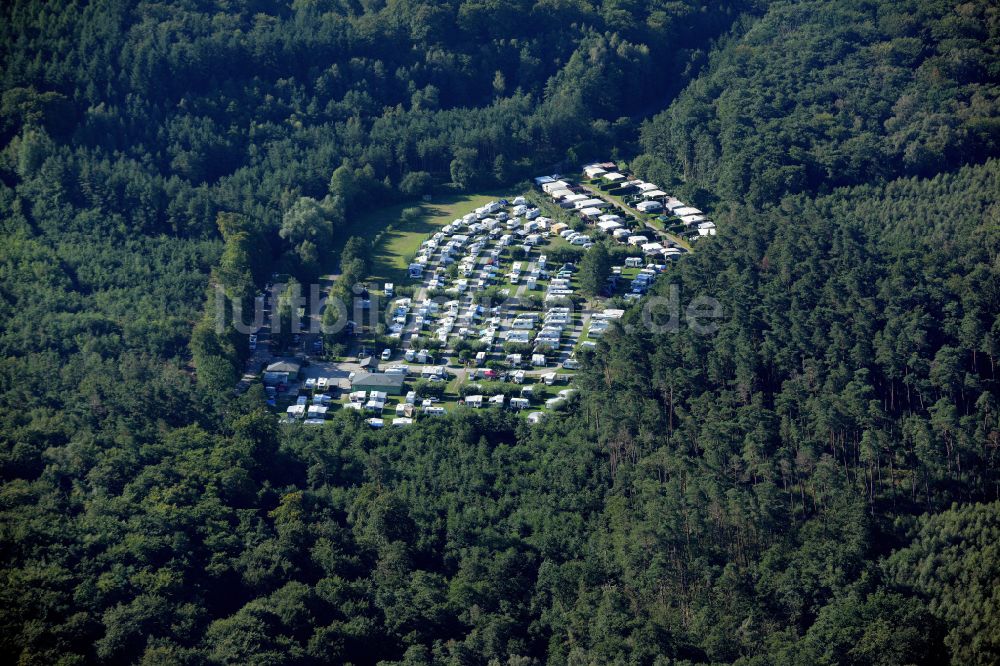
x=398, y=245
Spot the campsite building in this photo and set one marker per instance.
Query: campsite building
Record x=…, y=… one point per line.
x=285, y=366
x=376, y=381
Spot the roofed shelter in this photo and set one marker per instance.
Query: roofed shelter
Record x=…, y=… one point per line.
x=377, y=381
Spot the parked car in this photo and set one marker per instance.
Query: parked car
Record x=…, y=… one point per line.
x=386, y=354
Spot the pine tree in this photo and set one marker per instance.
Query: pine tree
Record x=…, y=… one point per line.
x=595, y=269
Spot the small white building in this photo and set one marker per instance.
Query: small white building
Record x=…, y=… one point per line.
x=433, y=371
x=598, y=327
x=682, y=211
x=317, y=411
x=590, y=203
x=521, y=337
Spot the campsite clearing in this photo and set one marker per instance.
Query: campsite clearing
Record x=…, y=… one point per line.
x=399, y=240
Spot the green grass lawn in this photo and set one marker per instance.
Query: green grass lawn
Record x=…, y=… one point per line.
x=391, y=256
x=555, y=242
x=453, y=388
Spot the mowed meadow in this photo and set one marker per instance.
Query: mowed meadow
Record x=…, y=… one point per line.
x=396, y=236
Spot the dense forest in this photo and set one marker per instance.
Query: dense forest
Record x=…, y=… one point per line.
x=817, y=482
x=818, y=95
